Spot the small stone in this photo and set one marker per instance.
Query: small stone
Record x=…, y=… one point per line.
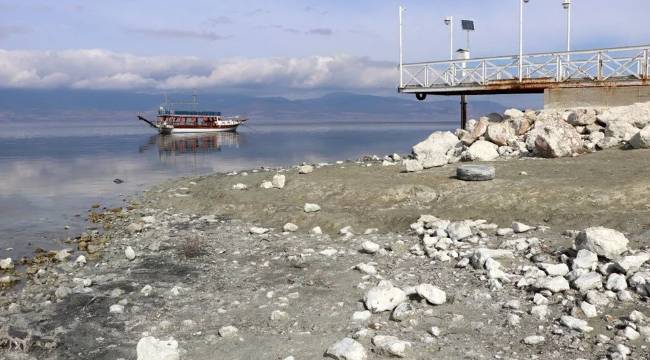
x=585, y=259
x=555, y=269
x=575, y=323
x=278, y=315
x=6, y=264
x=311, y=208
x=279, y=181
x=306, y=169
x=588, y=309
x=475, y=172
x=631, y=334
x=228, y=331
x=637, y=316
x=589, y=281
x=258, y=230
x=554, y=284
x=370, y=247
x=329, y=252
x=129, y=253
x=361, y=316
x=384, y=297
x=402, y=312
x=432, y=294
x=632, y=264
x=150, y=348
x=289, y=227
x=317, y=230
x=504, y=231
x=62, y=292
x=520, y=228
x=347, y=349
x=116, y=309
x=146, y=290
x=134, y=228
x=239, y=186
x=366, y=269
x=534, y=340
x=81, y=260
x=435, y=331
x=266, y=185
x=616, y=282
x=62, y=255
x=539, y=311
x=390, y=345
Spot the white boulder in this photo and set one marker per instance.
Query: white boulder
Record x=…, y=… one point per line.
x=483, y=150
x=605, y=242
x=384, y=297
x=6, y=264
x=347, y=349
x=641, y=140
x=434, y=151
x=553, y=138
x=390, y=345
x=311, y=208
x=432, y=294
x=150, y=348
x=279, y=181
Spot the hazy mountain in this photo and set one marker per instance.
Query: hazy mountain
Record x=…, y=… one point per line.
x=332, y=107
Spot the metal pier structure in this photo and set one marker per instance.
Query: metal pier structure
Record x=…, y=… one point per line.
x=532, y=73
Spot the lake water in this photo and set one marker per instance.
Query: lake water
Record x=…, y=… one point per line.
x=54, y=167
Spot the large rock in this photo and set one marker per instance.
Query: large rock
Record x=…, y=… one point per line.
x=583, y=117
x=476, y=132
x=347, y=349
x=411, y=165
x=605, y=242
x=641, y=140
x=384, y=297
x=435, y=150
x=520, y=125
x=483, y=151
x=621, y=130
x=513, y=114
x=637, y=115
x=150, y=348
x=475, y=172
x=278, y=181
x=552, y=138
x=500, y=133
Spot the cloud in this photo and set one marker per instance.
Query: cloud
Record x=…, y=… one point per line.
x=320, y=31
x=219, y=20
x=102, y=69
x=7, y=31
x=180, y=34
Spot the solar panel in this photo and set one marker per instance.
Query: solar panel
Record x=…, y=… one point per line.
x=468, y=25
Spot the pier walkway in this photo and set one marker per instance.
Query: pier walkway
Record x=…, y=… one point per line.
x=533, y=73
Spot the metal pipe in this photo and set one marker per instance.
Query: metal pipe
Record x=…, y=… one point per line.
x=521, y=39
x=401, y=48
x=451, y=38
x=567, y=5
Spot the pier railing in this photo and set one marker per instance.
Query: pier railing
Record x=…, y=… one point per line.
x=579, y=67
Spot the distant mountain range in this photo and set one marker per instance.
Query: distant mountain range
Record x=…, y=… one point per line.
x=331, y=107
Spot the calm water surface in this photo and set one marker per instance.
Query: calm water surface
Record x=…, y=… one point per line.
x=52, y=170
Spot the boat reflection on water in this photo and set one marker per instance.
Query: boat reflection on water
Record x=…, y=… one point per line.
x=181, y=144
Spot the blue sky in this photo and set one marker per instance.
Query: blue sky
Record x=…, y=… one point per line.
x=287, y=45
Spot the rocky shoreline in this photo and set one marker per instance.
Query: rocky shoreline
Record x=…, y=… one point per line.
x=357, y=260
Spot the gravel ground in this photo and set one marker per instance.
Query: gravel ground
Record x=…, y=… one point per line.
x=200, y=266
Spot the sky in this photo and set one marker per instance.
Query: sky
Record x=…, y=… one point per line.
x=279, y=47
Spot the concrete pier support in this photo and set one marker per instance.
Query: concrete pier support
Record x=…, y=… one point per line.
x=566, y=98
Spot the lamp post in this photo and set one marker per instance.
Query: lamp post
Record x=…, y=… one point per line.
x=566, y=4
x=449, y=21
x=521, y=38
x=401, y=47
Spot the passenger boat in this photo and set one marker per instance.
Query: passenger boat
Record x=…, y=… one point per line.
x=171, y=121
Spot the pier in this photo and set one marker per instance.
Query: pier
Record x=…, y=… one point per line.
x=572, y=78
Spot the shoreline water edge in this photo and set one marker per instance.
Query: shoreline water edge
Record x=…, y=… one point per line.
x=370, y=259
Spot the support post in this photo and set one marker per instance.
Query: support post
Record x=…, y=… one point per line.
x=401, y=47
x=463, y=112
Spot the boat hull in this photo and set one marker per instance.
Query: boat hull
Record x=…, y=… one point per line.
x=202, y=130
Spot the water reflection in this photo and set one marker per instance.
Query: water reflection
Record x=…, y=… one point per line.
x=179, y=144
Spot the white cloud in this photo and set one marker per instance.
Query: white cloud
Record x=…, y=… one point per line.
x=102, y=69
